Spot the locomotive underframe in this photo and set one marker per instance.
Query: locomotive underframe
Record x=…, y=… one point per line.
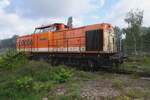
x=82, y=60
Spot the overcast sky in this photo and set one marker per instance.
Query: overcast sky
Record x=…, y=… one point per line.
x=21, y=16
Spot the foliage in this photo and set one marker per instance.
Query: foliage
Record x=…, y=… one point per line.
x=146, y=59
x=137, y=64
x=24, y=83
x=143, y=40
x=134, y=19
x=43, y=76
x=61, y=74
x=75, y=92
x=40, y=71
x=146, y=39
x=118, y=33
x=37, y=77
x=12, y=59
x=31, y=79
x=28, y=84
x=40, y=86
x=8, y=43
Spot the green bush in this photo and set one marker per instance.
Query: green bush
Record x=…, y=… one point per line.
x=40, y=86
x=24, y=83
x=146, y=60
x=12, y=59
x=28, y=84
x=42, y=76
x=40, y=71
x=61, y=74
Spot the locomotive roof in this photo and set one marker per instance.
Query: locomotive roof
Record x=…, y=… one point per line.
x=55, y=24
x=46, y=26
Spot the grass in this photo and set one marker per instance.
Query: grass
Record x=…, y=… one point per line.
x=138, y=93
x=34, y=80
x=123, y=98
x=29, y=80
x=117, y=84
x=11, y=60
x=137, y=64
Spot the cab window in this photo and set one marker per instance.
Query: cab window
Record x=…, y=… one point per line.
x=47, y=29
x=38, y=31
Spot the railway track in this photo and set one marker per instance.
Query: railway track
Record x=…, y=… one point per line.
x=86, y=67
x=127, y=72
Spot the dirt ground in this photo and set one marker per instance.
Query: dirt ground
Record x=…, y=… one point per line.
x=105, y=86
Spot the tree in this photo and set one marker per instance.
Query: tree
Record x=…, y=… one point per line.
x=146, y=39
x=118, y=33
x=8, y=43
x=134, y=19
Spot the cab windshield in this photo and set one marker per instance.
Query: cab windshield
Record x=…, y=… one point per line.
x=46, y=29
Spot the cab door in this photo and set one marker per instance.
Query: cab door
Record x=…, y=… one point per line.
x=94, y=40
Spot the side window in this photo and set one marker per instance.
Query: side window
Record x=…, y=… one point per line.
x=38, y=31
x=19, y=43
x=22, y=43
x=30, y=42
x=25, y=42
x=53, y=28
x=46, y=30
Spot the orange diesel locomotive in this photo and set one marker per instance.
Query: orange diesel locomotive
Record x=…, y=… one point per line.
x=92, y=45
